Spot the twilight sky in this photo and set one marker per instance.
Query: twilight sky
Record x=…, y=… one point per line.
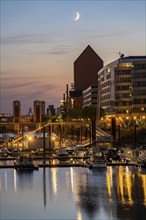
x=40, y=42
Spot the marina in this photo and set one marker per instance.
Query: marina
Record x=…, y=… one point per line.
x=98, y=163
x=73, y=162
x=73, y=110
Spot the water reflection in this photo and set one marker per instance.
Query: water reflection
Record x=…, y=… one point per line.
x=92, y=195
x=44, y=187
x=113, y=193
x=15, y=180
x=143, y=180
x=24, y=181
x=109, y=182
x=129, y=189
x=119, y=193
x=53, y=179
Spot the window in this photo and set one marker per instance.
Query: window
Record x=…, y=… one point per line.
x=122, y=72
x=139, y=66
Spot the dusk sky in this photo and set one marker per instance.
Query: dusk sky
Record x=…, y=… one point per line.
x=40, y=40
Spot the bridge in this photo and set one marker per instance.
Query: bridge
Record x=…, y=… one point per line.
x=101, y=136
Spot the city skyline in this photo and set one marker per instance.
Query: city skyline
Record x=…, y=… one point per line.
x=40, y=40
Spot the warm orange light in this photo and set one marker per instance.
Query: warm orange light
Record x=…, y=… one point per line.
x=30, y=138
x=53, y=138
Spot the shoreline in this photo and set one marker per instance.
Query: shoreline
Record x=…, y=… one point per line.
x=86, y=165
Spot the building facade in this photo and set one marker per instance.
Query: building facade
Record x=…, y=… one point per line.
x=122, y=88
x=90, y=96
x=86, y=67
x=39, y=110
x=16, y=111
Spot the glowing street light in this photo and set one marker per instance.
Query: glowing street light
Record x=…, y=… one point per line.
x=29, y=141
x=30, y=138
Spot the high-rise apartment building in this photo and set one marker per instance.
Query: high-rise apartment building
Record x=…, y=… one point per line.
x=106, y=88
x=39, y=110
x=16, y=111
x=122, y=87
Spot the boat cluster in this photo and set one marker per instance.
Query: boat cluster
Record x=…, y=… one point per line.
x=25, y=162
x=89, y=155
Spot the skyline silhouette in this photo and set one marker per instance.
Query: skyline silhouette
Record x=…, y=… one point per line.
x=40, y=42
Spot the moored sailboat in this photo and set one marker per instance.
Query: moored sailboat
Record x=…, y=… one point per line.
x=25, y=162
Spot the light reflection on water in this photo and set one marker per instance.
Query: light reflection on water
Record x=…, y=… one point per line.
x=73, y=193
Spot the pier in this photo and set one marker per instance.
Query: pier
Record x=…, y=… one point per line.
x=63, y=162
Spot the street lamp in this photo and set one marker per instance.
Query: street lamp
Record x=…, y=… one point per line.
x=135, y=134
x=29, y=141
x=55, y=140
x=135, y=130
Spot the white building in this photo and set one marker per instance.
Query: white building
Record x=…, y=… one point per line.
x=90, y=96
x=122, y=87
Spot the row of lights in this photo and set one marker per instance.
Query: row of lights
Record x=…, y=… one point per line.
x=143, y=117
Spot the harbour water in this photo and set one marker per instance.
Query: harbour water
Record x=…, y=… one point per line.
x=113, y=193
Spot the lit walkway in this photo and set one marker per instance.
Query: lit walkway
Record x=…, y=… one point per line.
x=103, y=136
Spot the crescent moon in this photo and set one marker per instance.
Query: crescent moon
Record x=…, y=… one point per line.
x=77, y=16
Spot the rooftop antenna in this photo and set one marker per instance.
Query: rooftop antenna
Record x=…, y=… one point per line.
x=121, y=55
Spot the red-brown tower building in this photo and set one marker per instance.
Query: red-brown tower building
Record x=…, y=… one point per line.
x=86, y=68
x=39, y=110
x=16, y=111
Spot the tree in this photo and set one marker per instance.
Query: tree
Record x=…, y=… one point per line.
x=89, y=112
x=74, y=114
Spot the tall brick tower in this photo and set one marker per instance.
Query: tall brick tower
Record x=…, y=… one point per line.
x=16, y=111
x=39, y=110
x=86, y=68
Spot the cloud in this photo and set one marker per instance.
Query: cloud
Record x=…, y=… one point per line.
x=26, y=39
x=58, y=52
x=17, y=86
x=108, y=34
x=53, y=46
x=26, y=86
x=27, y=93
x=23, y=78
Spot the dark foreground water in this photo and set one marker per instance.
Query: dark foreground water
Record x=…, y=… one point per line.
x=73, y=193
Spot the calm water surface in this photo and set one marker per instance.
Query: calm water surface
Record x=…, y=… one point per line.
x=116, y=193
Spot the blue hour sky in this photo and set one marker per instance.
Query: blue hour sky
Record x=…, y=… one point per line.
x=40, y=42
